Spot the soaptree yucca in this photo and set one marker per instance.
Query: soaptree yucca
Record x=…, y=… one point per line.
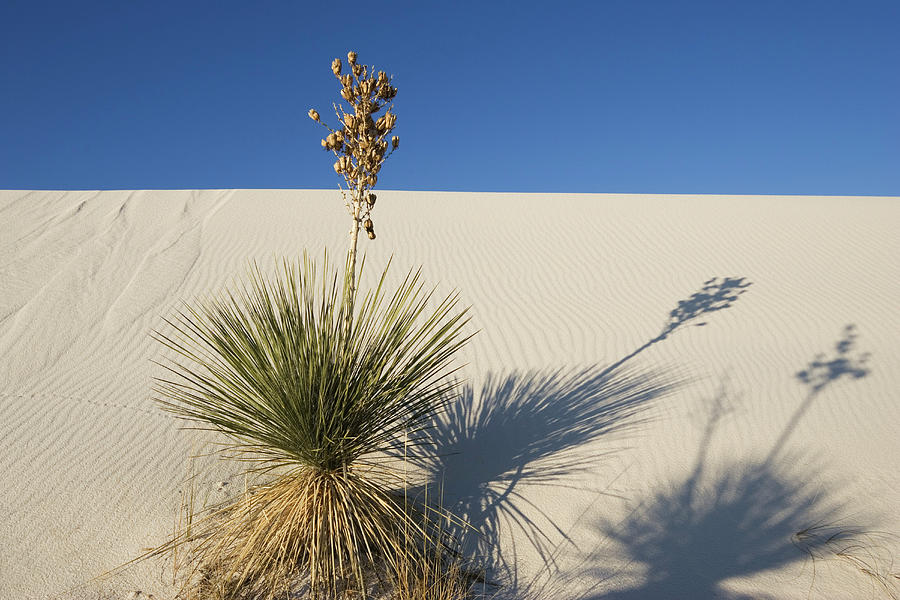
x=319, y=388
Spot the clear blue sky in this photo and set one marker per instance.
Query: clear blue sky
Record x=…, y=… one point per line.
x=668, y=96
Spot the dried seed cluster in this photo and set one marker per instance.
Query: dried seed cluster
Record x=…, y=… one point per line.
x=360, y=143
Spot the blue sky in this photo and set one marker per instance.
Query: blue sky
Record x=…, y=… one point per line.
x=731, y=97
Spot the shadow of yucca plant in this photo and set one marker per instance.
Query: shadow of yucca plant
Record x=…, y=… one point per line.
x=317, y=388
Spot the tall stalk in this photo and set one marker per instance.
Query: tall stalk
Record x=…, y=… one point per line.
x=360, y=144
x=351, y=257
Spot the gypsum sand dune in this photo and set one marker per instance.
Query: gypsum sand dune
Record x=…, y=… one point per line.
x=719, y=473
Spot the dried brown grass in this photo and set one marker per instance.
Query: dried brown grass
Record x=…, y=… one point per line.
x=278, y=540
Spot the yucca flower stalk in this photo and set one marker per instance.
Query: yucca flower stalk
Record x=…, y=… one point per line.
x=361, y=142
x=319, y=405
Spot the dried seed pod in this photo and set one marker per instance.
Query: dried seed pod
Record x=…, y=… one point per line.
x=395, y=142
x=338, y=167
x=347, y=80
x=371, y=234
x=313, y=115
x=368, y=224
x=325, y=145
x=350, y=122
x=357, y=70
x=336, y=67
x=333, y=142
x=382, y=78
x=370, y=200
x=347, y=94
x=351, y=57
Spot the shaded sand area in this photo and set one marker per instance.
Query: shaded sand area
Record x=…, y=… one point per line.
x=668, y=397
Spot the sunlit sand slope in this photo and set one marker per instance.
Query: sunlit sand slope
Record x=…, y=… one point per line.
x=667, y=397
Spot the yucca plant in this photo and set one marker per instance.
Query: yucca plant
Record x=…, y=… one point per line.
x=318, y=390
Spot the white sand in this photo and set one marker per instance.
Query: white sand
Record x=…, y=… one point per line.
x=684, y=473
